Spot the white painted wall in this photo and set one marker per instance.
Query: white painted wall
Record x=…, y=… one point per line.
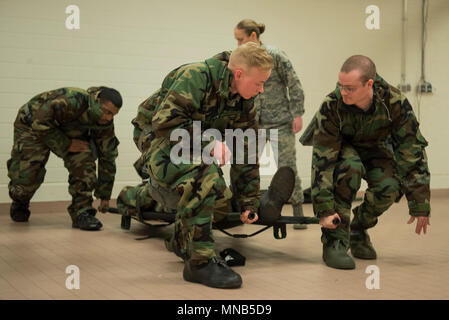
x=132, y=45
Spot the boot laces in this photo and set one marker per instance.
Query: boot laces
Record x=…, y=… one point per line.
x=219, y=262
x=87, y=218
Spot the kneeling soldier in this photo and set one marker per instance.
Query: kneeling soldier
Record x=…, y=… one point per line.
x=218, y=93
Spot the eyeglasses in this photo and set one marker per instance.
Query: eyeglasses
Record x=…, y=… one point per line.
x=347, y=89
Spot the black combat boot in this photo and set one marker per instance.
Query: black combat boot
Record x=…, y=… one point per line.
x=19, y=211
x=360, y=242
x=279, y=191
x=214, y=274
x=86, y=220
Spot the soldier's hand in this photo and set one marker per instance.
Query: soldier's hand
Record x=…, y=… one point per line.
x=297, y=124
x=221, y=152
x=79, y=146
x=104, y=204
x=245, y=219
x=327, y=222
x=421, y=224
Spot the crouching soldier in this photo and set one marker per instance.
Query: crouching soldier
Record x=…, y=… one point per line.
x=217, y=93
x=366, y=129
x=77, y=126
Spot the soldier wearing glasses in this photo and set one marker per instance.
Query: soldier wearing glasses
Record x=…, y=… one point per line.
x=365, y=129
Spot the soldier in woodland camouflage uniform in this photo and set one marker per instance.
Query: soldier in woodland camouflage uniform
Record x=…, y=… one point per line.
x=77, y=126
x=218, y=93
x=280, y=106
x=365, y=129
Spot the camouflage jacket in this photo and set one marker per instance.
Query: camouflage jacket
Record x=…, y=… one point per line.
x=283, y=96
x=60, y=115
x=389, y=124
x=201, y=92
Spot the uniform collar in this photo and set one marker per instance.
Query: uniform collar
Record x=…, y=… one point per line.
x=94, y=110
x=380, y=91
x=224, y=89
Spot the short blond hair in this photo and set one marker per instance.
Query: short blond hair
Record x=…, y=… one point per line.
x=251, y=55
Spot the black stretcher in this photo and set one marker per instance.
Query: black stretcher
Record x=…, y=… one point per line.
x=232, y=220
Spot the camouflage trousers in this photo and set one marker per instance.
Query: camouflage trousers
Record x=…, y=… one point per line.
x=204, y=199
x=285, y=155
x=26, y=171
x=378, y=168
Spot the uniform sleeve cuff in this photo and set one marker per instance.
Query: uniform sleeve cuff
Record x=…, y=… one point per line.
x=251, y=206
x=420, y=214
x=419, y=209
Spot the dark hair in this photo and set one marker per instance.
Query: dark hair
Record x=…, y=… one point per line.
x=111, y=95
x=250, y=26
x=364, y=64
